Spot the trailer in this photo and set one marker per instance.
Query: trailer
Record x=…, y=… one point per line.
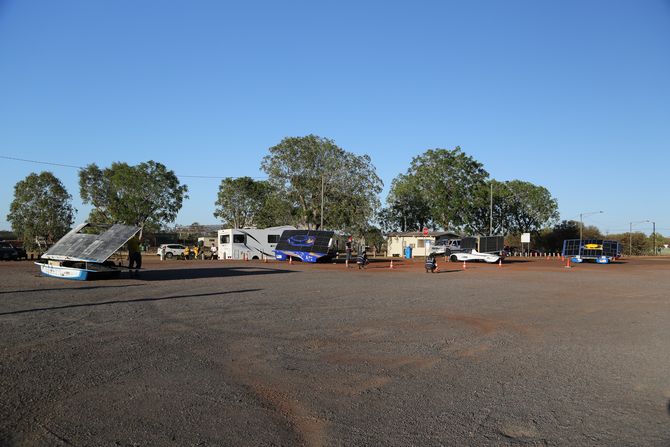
x=306, y=245
x=249, y=243
x=599, y=250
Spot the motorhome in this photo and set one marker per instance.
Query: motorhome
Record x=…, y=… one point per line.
x=249, y=243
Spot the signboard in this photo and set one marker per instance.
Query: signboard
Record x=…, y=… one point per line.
x=525, y=238
x=425, y=231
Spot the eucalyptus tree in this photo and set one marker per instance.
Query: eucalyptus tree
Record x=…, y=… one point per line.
x=42, y=208
x=147, y=194
x=325, y=185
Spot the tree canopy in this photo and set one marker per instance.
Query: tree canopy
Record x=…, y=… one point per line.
x=406, y=209
x=301, y=168
x=244, y=202
x=41, y=208
x=449, y=181
x=142, y=195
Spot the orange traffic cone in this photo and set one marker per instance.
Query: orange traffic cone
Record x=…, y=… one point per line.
x=567, y=265
x=265, y=259
x=464, y=266
x=499, y=262
x=391, y=266
x=290, y=260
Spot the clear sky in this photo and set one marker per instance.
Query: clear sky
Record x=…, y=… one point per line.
x=573, y=95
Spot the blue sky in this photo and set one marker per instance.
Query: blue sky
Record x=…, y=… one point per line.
x=571, y=95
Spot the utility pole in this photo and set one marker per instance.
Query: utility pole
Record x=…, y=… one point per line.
x=491, y=212
x=322, y=184
x=654, y=225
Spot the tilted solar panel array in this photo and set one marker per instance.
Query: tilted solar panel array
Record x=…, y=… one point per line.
x=311, y=241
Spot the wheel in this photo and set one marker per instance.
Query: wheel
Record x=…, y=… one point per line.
x=255, y=257
x=169, y=255
x=453, y=258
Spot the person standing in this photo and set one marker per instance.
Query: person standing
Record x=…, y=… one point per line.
x=347, y=249
x=213, y=250
x=134, y=255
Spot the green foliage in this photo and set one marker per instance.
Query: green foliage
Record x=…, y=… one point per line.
x=299, y=166
x=518, y=207
x=552, y=239
x=449, y=181
x=406, y=209
x=147, y=194
x=41, y=208
x=244, y=202
x=638, y=243
x=374, y=238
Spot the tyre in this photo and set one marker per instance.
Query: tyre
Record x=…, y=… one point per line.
x=255, y=257
x=168, y=255
x=453, y=258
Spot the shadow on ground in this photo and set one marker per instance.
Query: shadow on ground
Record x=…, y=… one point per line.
x=68, y=288
x=138, y=300
x=210, y=272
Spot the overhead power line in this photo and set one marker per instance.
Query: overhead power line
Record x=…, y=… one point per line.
x=81, y=167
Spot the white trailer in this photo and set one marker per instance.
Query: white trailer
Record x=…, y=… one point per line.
x=252, y=243
x=206, y=241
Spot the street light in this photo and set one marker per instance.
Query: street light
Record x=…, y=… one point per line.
x=630, y=235
x=581, y=226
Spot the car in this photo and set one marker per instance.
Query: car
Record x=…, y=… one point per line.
x=171, y=250
x=474, y=255
x=9, y=252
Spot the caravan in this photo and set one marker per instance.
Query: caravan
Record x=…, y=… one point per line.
x=252, y=243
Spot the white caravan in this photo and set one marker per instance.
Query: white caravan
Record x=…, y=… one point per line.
x=236, y=243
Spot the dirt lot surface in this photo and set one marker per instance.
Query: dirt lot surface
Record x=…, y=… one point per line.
x=263, y=354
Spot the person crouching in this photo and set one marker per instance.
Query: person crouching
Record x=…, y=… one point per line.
x=431, y=264
x=362, y=259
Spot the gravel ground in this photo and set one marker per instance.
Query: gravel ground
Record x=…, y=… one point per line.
x=264, y=354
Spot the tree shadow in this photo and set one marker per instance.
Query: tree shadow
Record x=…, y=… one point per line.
x=209, y=272
x=138, y=300
x=68, y=288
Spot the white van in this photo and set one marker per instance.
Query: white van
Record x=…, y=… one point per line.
x=254, y=243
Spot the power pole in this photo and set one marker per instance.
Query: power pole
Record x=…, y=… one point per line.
x=322, y=182
x=491, y=213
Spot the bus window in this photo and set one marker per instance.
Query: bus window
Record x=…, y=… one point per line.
x=225, y=239
x=238, y=239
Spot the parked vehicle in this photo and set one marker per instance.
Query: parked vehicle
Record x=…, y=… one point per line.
x=474, y=255
x=171, y=250
x=9, y=252
x=252, y=243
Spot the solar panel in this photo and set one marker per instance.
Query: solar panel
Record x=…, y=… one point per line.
x=591, y=248
x=78, y=245
x=308, y=245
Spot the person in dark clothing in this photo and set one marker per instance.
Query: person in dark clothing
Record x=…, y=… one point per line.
x=134, y=255
x=348, y=249
x=362, y=259
x=431, y=264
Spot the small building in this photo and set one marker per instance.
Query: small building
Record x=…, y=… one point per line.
x=420, y=244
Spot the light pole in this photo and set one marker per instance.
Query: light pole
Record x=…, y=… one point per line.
x=581, y=226
x=654, y=231
x=630, y=235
